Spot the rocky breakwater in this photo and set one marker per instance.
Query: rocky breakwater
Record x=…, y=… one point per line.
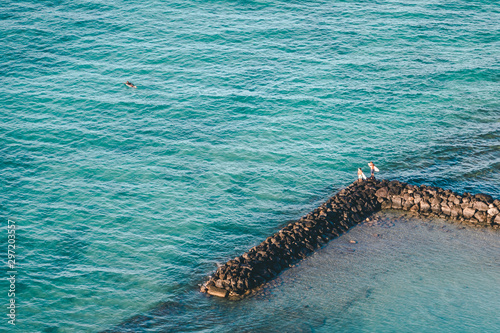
x=294, y=242
x=239, y=276
x=479, y=210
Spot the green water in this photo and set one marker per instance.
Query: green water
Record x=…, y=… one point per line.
x=247, y=114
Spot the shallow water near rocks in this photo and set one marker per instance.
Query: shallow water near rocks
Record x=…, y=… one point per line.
x=394, y=273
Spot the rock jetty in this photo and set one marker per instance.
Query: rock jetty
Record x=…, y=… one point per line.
x=239, y=276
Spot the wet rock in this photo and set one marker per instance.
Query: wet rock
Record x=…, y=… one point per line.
x=215, y=291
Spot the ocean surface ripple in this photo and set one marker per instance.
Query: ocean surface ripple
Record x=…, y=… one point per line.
x=247, y=114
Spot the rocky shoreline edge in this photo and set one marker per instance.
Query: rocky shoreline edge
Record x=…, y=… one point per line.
x=240, y=276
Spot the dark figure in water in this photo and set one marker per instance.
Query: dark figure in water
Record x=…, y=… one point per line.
x=129, y=84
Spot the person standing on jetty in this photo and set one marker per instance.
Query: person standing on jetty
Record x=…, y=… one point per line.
x=361, y=175
x=373, y=168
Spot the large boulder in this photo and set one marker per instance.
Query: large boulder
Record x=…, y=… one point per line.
x=436, y=209
x=466, y=205
x=493, y=211
x=481, y=206
x=407, y=204
x=215, y=291
x=456, y=211
x=484, y=197
x=382, y=192
x=425, y=206
x=407, y=195
x=396, y=202
x=436, y=201
x=469, y=212
x=480, y=216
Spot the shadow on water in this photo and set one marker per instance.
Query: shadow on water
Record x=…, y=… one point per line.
x=192, y=312
x=159, y=317
x=195, y=312
x=214, y=315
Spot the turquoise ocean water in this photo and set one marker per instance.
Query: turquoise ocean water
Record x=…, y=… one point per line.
x=248, y=114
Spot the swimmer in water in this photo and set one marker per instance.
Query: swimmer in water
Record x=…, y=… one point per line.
x=129, y=84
